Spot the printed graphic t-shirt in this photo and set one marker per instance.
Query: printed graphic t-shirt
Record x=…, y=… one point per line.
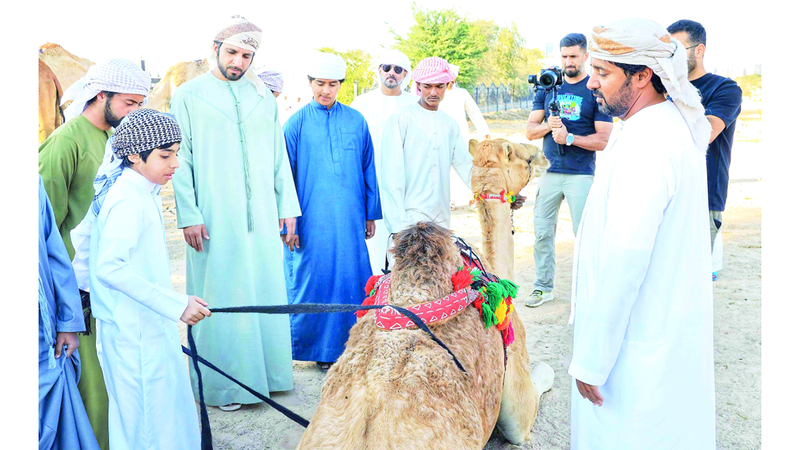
x=578, y=113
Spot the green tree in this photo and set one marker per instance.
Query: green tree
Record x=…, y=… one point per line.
x=507, y=61
x=448, y=35
x=359, y=69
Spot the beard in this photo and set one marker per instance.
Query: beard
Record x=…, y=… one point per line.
x=572, y=73
x=109, y=115
x=390, y=82
x=691, y=63
x=620, y=106
x=228, y=76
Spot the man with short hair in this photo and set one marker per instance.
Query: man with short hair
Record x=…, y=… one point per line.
x=330, y=151
x=393, y=76
x=419, y=145
x=722, y=99
x=643, y=350
x=571, y=140
x=68, y=162
x=234, y=192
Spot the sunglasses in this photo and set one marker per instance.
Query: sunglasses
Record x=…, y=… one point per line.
x=387, y=67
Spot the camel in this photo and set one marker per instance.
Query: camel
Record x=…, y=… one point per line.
x=67, y=67
x=50, y=115
x=176, y=75
x=398, y=389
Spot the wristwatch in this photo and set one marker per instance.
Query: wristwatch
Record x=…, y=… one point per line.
x=570, y=139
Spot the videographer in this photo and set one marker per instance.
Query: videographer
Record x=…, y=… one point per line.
x=571, y=139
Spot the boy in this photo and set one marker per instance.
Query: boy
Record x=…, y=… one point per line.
x=150, y=399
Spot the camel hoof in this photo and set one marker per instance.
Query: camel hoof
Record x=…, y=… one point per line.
x=542, y=376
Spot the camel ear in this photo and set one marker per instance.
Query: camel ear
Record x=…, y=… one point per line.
x=507, y=150
x=525, y=151
x=473, y=148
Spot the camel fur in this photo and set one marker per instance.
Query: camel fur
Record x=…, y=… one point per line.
x=499, y=165
x=175, y=76
x=400, y=390
x=50, y=115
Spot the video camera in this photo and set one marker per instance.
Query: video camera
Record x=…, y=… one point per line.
x=549, y=80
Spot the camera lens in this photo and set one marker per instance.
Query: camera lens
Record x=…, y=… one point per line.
x=548, y=79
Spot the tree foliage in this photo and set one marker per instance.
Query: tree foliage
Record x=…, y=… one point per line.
x=507, y=61
x=446, y=34
x=484, y=52
x=359, y=69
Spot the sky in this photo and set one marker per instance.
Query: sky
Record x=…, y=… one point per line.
x=168, y=32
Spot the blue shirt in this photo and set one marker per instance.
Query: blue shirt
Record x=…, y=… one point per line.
x=578, y=113
x=721, y=97
x=332, y=160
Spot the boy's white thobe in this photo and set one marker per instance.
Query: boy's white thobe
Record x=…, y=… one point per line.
x=641, y=292
x=150, y=398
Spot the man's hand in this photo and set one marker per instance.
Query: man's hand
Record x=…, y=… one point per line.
x=589, y=392
x=194, y=236
x=68, y=339
x=195, y=311
x=560, y=135
x=292, y=242
x=554, y=122
x=370, y=229
x=291, y=227
x=518, y=202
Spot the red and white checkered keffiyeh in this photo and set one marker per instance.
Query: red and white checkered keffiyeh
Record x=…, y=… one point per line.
x=432, y=70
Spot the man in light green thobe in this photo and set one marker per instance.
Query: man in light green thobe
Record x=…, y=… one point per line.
x=234, y=191
x=68, y=162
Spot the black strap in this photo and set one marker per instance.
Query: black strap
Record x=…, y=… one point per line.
x=307, y=308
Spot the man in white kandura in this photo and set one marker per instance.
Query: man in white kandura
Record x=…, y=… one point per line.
x=419, y=145
x=643, y=350
x=376, y=107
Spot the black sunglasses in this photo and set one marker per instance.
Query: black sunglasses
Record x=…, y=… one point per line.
x=387, y=67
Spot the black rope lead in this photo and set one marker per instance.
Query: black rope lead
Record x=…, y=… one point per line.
x=307, y=308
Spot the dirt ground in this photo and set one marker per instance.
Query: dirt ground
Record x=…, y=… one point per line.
x=737, y=315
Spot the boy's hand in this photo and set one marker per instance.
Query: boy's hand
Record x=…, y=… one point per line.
x=195, y=311
x=370, y=231
x=68, y=339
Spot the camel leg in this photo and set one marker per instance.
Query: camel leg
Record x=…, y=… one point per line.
x=521, y=391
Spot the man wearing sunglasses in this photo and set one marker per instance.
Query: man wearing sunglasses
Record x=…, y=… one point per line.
x=392, y=78
x=722, y=99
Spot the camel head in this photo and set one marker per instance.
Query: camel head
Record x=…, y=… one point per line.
x=503, y=165
x=428, y=249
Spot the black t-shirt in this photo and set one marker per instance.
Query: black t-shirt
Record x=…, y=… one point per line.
x=721, y=97
x=578, y=113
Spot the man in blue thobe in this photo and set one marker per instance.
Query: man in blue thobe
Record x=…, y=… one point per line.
x=326, y=261
x=63, y=423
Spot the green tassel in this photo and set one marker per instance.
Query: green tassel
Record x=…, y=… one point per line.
x=495, y=293
x=510, y=287
x=488, y=316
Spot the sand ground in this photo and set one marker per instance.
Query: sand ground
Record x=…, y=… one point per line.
x=737, y=315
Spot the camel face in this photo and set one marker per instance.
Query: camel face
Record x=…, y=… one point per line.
x=503, y=165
